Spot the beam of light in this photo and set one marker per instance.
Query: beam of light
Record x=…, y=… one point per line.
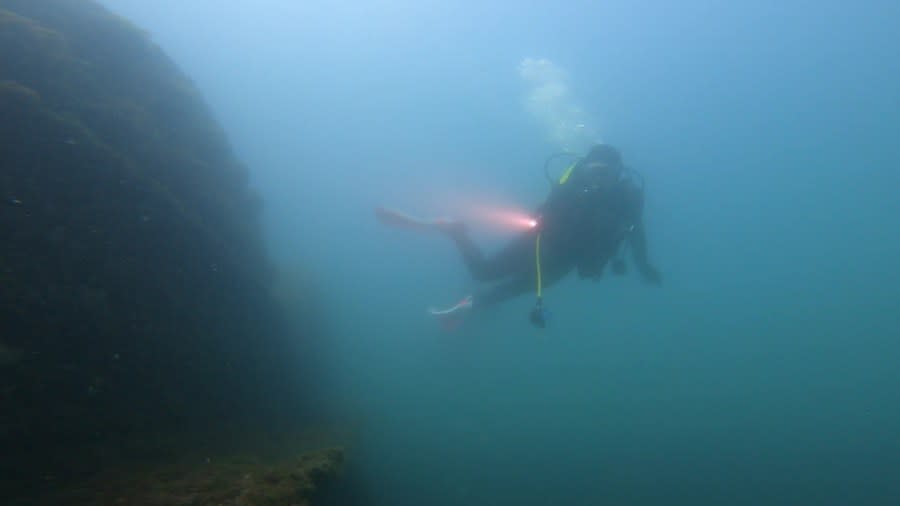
x=489, y=211
x=509, y=219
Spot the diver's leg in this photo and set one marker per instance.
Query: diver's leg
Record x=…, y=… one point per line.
x=479, y=303
x=513, y=259
x=523, y=282
x=516, y=260
x=472, y=255
x=502, y=292
x=508, y=261
x=454, y=315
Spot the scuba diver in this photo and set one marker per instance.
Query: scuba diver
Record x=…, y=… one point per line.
x=593, y=213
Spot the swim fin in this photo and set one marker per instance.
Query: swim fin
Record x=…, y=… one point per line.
x=451, y=318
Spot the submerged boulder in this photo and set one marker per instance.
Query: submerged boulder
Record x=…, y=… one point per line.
x=134, y=287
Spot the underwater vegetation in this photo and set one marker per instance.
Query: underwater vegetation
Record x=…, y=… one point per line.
x=230, y=479
x=135, y=291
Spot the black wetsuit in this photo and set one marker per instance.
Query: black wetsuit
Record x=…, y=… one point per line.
x=580, y=228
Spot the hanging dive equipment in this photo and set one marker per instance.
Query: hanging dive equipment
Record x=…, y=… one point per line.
x=538, y=315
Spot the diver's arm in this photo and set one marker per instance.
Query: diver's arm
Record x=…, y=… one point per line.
x=637, y=240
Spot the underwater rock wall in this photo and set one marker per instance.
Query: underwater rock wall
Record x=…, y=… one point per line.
x=134, y=287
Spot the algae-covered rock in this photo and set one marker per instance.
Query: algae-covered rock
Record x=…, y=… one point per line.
x=134, y=288
x=233, y=480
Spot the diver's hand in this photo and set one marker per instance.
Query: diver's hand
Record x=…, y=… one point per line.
x=651, y=275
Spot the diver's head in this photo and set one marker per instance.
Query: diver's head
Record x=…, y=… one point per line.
x=604, y=153
x=602, y=167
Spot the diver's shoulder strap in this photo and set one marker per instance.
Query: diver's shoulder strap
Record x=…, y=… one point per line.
x=566, y=174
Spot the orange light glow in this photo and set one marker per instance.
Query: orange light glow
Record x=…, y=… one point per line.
x=509, y=219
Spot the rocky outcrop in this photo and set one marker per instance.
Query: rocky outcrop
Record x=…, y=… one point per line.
x=134, y=289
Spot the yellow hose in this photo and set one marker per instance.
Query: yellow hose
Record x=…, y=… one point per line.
x=537, y=263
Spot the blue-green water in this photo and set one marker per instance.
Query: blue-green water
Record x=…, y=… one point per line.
x=764, y=371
